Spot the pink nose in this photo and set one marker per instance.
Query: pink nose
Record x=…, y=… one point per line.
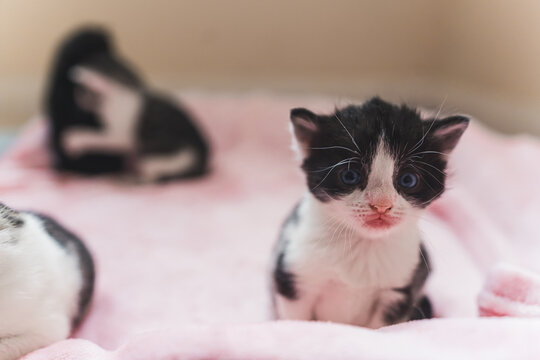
x=381, y=207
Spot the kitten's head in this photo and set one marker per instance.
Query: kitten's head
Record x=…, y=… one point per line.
x=375, y=165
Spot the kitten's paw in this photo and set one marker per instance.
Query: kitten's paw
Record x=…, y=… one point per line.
x=78, y=141
x=423, y=310
x=75, y=142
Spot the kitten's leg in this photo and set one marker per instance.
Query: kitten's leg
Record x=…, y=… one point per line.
x=392, y=307
x=402, y=310
x=291, y=302
x=295, y=309
x=119, y=105
x=118, y=111
x=422, y=310
x=156, y=167
x=77, y=141
x=408, y=302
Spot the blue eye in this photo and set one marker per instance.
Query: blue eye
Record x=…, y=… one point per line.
x=408, y=180
x=350, y=177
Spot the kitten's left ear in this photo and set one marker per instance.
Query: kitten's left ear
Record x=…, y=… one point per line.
x=304, y=126
x=447, y=132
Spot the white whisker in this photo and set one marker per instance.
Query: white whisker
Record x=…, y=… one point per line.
x=329, y=171
x=335, y=147
x=440, y=107
x=429, y=152
x=432, y=198
x=431, y=166
x=425, y=261
x=336, y=164
x=429, y=173
x=354, y=142
x=431, y=126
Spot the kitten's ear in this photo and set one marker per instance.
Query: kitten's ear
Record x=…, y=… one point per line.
x=9, y=218
x=304, y=126
x=447, y=132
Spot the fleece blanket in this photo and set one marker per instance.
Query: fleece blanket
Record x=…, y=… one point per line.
x=183, y=267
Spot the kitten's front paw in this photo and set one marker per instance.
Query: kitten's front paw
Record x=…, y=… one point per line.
x=75, y=142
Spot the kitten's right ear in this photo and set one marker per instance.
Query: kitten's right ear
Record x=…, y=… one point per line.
x=304, y=124
x=9, y=218
x=447, y=132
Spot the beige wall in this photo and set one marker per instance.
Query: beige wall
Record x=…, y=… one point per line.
x=480, y=55
x=494, y=44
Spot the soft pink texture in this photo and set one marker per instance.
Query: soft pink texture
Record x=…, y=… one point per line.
x=183, y=268
x=510, y=291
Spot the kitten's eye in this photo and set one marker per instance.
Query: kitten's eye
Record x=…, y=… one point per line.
x=350, y=177
x=408, y=180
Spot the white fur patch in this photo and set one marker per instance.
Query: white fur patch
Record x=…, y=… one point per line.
x=380, y=180
x=152, y=168
x=118, y=109
x=39, y=289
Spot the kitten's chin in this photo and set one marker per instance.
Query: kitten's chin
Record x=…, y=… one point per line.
x=379, y=224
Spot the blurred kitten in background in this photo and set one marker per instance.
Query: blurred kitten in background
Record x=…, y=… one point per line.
x=103, y=119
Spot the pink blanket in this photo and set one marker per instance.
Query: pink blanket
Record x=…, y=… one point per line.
x=182, y=268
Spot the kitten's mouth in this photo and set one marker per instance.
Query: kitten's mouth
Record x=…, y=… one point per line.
x=380, y=221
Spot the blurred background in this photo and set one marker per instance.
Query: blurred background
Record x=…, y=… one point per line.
x=480, y=57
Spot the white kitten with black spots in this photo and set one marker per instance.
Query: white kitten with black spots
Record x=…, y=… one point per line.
x=46, y=282
x=351, y=250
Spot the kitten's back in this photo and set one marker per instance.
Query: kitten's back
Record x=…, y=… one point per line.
x=166, y=128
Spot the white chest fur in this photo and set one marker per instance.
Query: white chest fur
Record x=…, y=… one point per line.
x=343, y=277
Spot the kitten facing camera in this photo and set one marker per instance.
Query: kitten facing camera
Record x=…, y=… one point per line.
x=46, y=282
x=104, y=119
x=351, y=251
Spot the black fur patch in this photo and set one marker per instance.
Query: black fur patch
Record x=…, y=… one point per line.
x=11, y=217
x=422, y=310
x=75, y=246
x=350, y=136
x=413, y=306
x=165, y=128
x=284, y=280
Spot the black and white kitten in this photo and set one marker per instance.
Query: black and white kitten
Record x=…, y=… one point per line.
x=46, y=282
x=351, y=251
x=105, y=120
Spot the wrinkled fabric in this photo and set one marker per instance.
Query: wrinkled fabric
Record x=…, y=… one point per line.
x=182, y=268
